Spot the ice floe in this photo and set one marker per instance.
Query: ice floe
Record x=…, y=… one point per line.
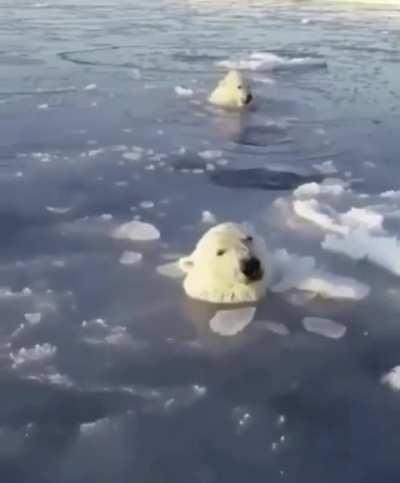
x=33, y=318
x=381, y=250
x=38, y=353
x=90, y=87
x=312, y=211
x=183, y=92
x=325, y=327
x=210, y=154
x=130, y=258
x=269, y=61
x=60, y=210
x=132, y=155
x=392, y=379
x=137, y=231
x=170, y=270
x=231, y=322
x=295, y=272
x=208, y=218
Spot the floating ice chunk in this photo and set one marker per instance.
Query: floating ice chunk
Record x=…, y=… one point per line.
x=183, y=92
x=392, y=379
x=137, y=231
x=210, y=154
x=309, y=190
x=61, y=210
x=392, y=195
x=93, y=427
x=333, y=286
x=33, y=318
x=301, y=273
x=305, y=21
x=269, y=61
x=95, y=152
x=300, y=299
x=242, y=418
x=43, y=106
x=265, y=80
x=132, y=156
x=311, y=210
x=281, y=419
x=90, y=87
x=170, y=399
x=170, y=270
x=94, y=323
x=147, y=204
x=119, y=335
x=130, y=258
x=38, y=353
x=290, y=270
x=208, y=217
x=198, y=390
x=359, y=244
x=55, y=379
x=327, y=167
x=325, y=327
x=231, y=322
x=7, y=292
x=362, y=218
x=59, y=380
x=18, y=330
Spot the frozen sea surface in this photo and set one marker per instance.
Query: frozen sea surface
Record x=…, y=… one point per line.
x=111, y=167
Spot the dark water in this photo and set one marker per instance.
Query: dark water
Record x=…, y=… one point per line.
x=107, y=372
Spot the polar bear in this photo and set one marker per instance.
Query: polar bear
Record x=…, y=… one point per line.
x=228, y=265
x=233, y=92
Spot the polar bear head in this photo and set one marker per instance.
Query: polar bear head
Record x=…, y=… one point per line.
x=232, y=92
x=228, y=265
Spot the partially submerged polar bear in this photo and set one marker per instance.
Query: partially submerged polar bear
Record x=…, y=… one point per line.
x=233, y=92
x=228, y=265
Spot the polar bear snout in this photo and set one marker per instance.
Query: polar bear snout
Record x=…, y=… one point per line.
x=252, y=269
x=248, y=99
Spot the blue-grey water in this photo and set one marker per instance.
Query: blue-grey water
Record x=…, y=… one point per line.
x=107, y=372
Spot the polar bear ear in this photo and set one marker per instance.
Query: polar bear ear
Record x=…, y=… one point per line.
x=186, y=264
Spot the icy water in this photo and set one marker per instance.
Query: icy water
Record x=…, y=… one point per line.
x=108, y=373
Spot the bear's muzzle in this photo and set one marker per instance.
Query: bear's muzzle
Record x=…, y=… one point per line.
x=252, y=269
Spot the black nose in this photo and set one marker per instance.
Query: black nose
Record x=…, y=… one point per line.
x=249, y=98
x=251, y=268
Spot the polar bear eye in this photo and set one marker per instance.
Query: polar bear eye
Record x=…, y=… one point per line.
x=220, y=253
x=239, y=87
x=248, y=239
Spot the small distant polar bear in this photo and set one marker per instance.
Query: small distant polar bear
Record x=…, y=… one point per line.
x=228, y=265
x=233, y=92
